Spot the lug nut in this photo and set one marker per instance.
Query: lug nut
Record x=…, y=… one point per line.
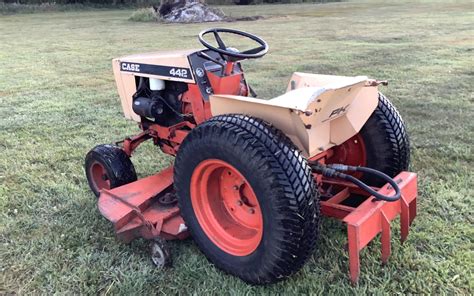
x=236, y=187
x=251, y=211
x=239, y=203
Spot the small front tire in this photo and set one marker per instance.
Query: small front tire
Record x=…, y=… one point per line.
x=107, y=167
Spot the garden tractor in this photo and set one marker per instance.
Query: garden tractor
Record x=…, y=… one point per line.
x=252, y=177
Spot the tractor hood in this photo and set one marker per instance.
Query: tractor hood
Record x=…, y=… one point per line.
x=166, y=65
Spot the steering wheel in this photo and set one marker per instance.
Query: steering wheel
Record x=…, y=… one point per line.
x=232, y=54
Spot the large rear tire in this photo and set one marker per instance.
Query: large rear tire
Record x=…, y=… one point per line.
x=248, y=198
x=386, y=141
x=382, y=144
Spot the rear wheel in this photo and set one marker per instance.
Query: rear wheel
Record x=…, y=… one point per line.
x=248, y=197
x=226, y=207
x=107, y=167
x=382, y=144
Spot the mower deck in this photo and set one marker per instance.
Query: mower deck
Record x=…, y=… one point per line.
x=136, y=211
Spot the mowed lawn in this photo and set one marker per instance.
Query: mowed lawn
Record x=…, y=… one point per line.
x=58, y=100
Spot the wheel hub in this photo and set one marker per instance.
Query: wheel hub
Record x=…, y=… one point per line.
x=99, y=176
x=351, y=152
x=226, y=207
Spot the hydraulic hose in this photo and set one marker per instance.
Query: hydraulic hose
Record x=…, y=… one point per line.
x=335, y=171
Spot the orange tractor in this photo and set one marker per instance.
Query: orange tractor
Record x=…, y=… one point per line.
x=252, y=177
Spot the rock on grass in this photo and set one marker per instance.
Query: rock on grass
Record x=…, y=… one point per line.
x=179, y=11
x=189, y=11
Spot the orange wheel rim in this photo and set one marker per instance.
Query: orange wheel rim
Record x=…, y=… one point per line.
x=351, y=152
x=99, y=176
x=226, y=207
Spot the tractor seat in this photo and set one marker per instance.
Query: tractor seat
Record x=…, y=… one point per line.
x=298, y=99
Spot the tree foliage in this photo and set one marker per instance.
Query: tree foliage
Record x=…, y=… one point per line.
x=95, y=2
x=153, y=2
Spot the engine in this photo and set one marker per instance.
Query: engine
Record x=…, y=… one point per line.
x=159, y=100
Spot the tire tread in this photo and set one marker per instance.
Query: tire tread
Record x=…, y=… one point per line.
x=298, y=203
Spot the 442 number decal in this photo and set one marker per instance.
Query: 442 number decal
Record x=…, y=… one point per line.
x=183, y=73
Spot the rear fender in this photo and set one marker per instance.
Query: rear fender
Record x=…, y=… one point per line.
x=315, y=117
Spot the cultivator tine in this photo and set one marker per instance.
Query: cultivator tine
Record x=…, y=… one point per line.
x=404, y=219
x=354, y=252
x=412, y=211
x=408, y=210
x=385, y=238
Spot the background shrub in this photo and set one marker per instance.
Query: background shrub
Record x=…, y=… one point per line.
x=143, y=15
x=144, y=3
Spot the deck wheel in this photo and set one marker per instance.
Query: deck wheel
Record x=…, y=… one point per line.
x=160, y=253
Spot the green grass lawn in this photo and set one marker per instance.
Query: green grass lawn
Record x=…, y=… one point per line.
x=58, y=100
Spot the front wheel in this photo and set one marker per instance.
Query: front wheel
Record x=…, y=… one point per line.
x=107, y=167
x=248, y=198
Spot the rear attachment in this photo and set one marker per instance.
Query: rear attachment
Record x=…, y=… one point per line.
x=367, y=211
